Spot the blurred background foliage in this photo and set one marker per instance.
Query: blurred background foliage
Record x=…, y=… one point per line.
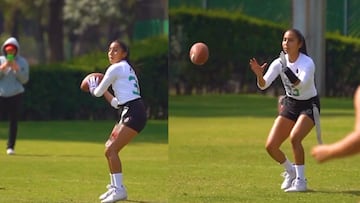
x=233, y=38
x=64, y=40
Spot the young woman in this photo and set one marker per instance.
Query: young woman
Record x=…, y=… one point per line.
x=121, y=76
x=295, y=119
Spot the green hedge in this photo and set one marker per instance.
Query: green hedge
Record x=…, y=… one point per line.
x=234, y=38
x=231, y=37
x=342, y=65
x=53, y=90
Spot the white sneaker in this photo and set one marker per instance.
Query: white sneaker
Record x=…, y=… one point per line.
x=288, y=179
x=10, y=151
x=299, y=185
x=107, y=193
x=116, y=194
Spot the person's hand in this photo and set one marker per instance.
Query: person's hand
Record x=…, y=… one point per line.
x=93, y=83
x=14, y=66
x=321, y=153
x=256, y=68
x=9, y=63
x=4, y=66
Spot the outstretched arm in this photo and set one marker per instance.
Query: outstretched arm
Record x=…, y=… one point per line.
x=347, y=146
x=259, y=71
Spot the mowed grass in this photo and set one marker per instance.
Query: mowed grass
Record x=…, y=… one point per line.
x=63, y=162
x=217, y=154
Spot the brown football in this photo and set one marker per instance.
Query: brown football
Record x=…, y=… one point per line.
x=199, y=53
x=84, y=83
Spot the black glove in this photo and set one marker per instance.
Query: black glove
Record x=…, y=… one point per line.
x=292, y=77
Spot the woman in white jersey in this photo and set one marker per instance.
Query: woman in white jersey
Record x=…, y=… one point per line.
x=122, y=78
x=295, y=119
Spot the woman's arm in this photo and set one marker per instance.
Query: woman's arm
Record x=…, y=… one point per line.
x=108, y=96
x=258, y=71
x=347, y=146
x=111, y=99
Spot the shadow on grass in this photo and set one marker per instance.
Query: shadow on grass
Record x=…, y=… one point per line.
x=349, y=192
x=244, y=105
x=140, y=201
x=56, y=155
x=155, y=131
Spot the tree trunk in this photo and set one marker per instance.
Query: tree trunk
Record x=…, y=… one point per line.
x=55, y=30
x=39, y=39
x=16, y=13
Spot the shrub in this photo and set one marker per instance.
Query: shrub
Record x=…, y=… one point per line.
x=53, y=90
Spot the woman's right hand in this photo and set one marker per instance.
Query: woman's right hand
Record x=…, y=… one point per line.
x=256, y=68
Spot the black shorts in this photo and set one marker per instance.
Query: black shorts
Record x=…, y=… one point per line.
x=292, y=108
x=133, y=114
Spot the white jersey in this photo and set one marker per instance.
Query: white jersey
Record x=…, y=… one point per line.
x=122, y=78
x=303, y=68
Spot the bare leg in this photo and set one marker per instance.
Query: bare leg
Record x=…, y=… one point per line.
x=302, y=127
x=278, y=134
x=124, y=136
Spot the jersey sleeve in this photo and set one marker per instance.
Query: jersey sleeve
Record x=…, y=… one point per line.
x=306, y=74
x=271, y=74
x=109, y=78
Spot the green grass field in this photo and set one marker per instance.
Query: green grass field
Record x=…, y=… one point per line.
x=217, y=154
x=63, y=162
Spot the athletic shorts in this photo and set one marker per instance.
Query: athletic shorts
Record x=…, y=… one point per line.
x=292, y=108
x=133, y=114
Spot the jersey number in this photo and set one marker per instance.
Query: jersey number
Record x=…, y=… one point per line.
x=292, y=91
x=136, y=85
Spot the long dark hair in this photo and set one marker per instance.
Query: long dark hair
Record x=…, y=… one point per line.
x=301, y=38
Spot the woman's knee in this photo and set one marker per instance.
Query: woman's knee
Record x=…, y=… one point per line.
x=110, y=152
x=271, y=147
x=295, y=139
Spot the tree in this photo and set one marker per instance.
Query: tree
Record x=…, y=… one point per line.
x=85, y=24
x=88, y=21
x=31, y=19
x=55, y=30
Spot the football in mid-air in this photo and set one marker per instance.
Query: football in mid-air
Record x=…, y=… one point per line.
x=199, y=53
x=84, y=83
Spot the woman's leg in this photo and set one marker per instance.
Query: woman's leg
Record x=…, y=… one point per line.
x=119, y=138
x=302, y=127
x=278, y=134
x=123, y=135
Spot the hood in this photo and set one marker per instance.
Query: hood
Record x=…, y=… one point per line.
x=13, y=41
